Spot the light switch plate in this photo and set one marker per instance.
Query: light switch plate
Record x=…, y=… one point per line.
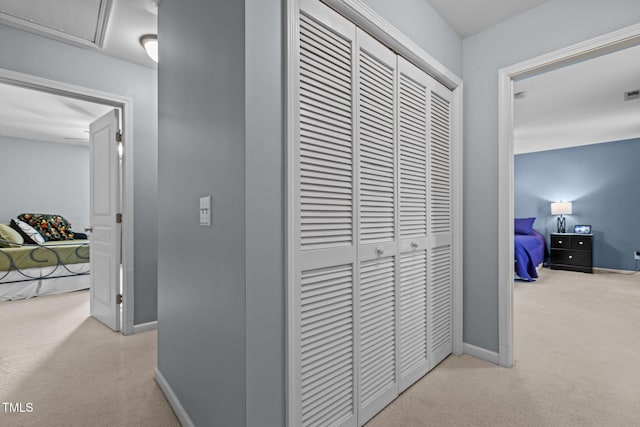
x=205, y=210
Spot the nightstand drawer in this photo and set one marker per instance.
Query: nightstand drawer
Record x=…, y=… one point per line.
x=577, y=258
x=560, y=241
x=581, y=243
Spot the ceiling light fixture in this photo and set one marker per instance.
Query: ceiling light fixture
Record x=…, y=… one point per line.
x=150, y=44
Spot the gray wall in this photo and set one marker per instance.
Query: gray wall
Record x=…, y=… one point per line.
x=39, y=56
x=602, y=182
x=201, y=270
x=265, y=214
x=44, y=177
x=551, y=26
x=422, y=24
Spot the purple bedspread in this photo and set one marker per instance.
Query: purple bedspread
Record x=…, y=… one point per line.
x=529, y=251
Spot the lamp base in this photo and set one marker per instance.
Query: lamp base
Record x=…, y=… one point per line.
x=562, y=224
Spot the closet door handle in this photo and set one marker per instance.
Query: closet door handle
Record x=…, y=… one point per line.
x=379, y=251
x=414, y=245
x=88, y=229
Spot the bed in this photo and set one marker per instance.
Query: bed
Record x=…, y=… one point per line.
x=31, y=265
x=530, y=249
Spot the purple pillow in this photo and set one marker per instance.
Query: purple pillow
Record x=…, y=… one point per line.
x=523, y=225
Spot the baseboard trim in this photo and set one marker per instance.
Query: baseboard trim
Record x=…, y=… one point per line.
x=481, y=353
x=142, y=327
x=613, y=270
x=173, y=400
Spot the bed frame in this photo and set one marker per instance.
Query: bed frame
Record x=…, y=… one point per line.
x=49, y=278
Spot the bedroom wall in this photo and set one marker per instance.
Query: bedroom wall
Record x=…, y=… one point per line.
x=39, y=56
x=602, y=182
x=551, y=26
x=53, y=179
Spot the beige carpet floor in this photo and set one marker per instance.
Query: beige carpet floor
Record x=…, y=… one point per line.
x=577, y=363
x=75, y=371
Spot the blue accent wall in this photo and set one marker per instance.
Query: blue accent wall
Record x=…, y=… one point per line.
x=602, y=181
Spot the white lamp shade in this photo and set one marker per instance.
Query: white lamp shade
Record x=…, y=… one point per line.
x=561, y=208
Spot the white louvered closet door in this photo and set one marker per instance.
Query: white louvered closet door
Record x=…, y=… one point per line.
x=377, y=233
x=372, y=224
x=325, y=201
x=440, y=226
x=413, y=148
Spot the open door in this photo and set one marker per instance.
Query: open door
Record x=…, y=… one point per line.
x=105, y=220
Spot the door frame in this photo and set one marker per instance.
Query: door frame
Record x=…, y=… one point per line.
x=365, y=18
x=611, y=42
x=126, y=105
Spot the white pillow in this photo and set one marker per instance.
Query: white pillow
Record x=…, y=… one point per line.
x=29, y=233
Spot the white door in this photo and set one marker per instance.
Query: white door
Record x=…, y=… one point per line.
x=376, y=218
x=440, y=227
x=413, y=149
x=106, y=227
x=325, y=317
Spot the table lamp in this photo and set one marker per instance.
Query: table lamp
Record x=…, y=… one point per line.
x=561, y=208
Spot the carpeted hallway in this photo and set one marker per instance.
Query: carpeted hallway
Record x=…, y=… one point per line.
x=75, y=371
x=577, y=351
x=577, y=363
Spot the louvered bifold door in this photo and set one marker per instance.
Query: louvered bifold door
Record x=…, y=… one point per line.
x=413, y=132
x=377, y=232
x=325, y=203
x=440, y=274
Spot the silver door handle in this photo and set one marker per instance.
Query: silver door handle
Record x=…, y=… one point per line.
x=414, y=245
x=88, y=229
x=379, y=251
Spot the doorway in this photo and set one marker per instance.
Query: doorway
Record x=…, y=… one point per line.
x=608, y=43
x=123, y=104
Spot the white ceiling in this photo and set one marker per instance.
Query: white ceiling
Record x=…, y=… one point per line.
x=579, y=105
x=31, y=114
x=80, y=22
x=53, y=14
x=575, y=105
x=468, y=17
x=131, y=19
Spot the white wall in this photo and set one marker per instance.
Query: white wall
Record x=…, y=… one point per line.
x=44, y=177
x=39, y=56
x=551, y=26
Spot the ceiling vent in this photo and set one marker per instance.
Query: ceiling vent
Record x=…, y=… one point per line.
x=79, y=22
x=633, y=94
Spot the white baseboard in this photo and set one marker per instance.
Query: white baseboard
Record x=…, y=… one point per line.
x=612, y=270
x=173, y=400
x=145, y=327
x=481, y=353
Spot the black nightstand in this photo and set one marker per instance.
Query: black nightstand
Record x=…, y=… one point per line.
x=570, y=251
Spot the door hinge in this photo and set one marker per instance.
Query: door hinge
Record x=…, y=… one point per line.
x=119, y=218
x=118, y=136
x=119, y=299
